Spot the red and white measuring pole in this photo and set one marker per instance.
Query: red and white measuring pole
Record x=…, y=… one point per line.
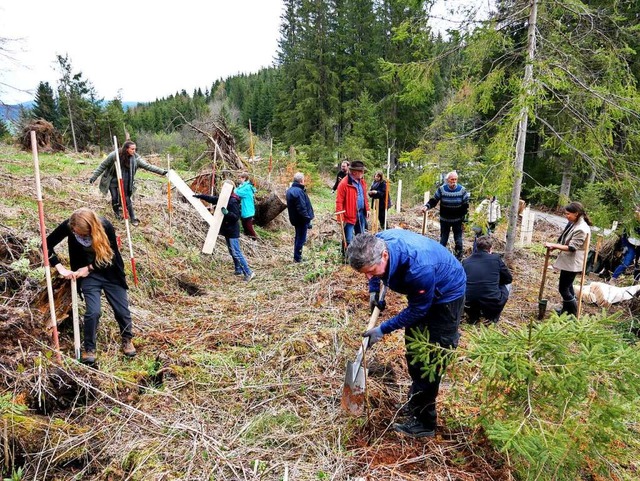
x=125, y=211
x=45, y=251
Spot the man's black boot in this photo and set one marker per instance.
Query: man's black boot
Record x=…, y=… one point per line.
x=414, y=428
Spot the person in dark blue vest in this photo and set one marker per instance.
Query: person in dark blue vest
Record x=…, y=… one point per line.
x=454, y=206
x=434, y=283
x=488, y=283
x=300, y=213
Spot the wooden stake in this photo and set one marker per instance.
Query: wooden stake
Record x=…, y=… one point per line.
x=424, y=214
x=125, y=211
x=584, y=268
x=45, y=250
x=375, y=221
x=270, y=161
x=213, y=169
x=76, y=318
x=169, y=206
x=250, y=141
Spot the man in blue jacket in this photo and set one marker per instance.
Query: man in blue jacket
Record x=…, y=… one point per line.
x=300, y=213
x=434, y=283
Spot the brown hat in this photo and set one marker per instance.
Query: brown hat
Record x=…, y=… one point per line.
x=357, y=165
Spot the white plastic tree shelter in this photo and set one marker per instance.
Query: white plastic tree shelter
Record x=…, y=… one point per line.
x=399, y=201
x=215, y=220
x=526, y=228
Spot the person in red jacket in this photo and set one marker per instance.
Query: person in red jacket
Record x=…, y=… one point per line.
x=351, y=197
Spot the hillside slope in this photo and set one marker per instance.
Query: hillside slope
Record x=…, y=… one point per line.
x=232, y=380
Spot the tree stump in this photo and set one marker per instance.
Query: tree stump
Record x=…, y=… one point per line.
x=268, y=208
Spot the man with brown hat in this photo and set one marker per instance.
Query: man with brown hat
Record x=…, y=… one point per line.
x=351, y=200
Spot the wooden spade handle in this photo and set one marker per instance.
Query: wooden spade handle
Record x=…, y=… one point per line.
x=544, y=272
x=584, y=269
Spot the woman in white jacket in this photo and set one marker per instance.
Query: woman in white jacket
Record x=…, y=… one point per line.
x=572, y=245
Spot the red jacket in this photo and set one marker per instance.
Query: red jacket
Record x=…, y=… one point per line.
x=347, y=199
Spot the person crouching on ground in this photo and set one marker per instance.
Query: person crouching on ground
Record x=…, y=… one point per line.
x=572, y=245
x=230, y=229
x=97, y=265
x=434, y=283
x=300, y=213
x=488, y=283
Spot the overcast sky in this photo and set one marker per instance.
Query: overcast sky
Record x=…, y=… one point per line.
x=145, y=49
x=141, y=49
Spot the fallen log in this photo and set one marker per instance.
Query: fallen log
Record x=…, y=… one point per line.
x=268, y=208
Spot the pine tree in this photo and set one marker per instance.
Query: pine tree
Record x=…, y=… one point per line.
x=45, y=106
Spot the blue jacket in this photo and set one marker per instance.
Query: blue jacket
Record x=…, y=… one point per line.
x=299, y=205
x=246, y=191
x=423, y=270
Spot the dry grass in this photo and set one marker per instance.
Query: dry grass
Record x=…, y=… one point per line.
x=233, y=380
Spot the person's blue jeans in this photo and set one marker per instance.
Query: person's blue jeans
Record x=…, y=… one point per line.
x=300, y=239
x=92, y=287
x=239, y=262
x=358, y=228
x=627, y=258
x=445, y=230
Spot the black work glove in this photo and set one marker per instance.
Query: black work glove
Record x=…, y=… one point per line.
x=165, y=172
x=309, y=226
x=374, y=301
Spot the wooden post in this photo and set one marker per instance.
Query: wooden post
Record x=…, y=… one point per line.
x=76, y=318
x=250, y=141
x=45, y=251
x=584, y=268
x=424, y=214
x=270, y=161
x=399, y=202
x=374, y=214
x=598, y=246
x=169, y=206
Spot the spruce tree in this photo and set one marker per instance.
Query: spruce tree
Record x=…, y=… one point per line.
x=45, y=106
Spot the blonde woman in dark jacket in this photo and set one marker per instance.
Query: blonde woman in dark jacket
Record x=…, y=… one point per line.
x=130, y=162
x=572, y=249
x=96, y=263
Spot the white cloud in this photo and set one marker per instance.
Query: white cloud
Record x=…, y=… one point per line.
x=145, y=49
